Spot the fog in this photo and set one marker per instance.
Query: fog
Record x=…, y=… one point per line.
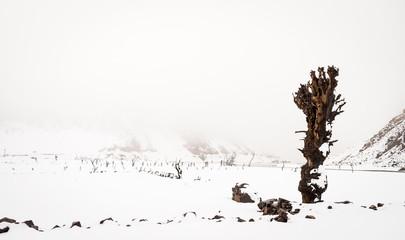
x=226, y=67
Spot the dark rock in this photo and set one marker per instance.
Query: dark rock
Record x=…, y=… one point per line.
x=274, y=206
x=270, y=210
x=251, y=220
x=128, y=225
x=239, y=196
x=216, y=217
x=107, y=219
x=344, y=202
x=373, y=207
x=296, y=211
x=282, y=216
x=280, y=219
x=262, y=204
x=8, y=220
x=4, y=230
x=87, y=227
x=185, y=214
x=364, y=206
x=56, y=226
x=143, y=220
x=285, y=204
x=31, y=224
x=380, y=204
x=329, y=207
x=271, y=206
x=76, y=223
x=309, y=217
x=240, y=219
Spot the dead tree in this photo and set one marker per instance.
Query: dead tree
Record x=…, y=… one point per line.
x=94, y=162
x=231, y=160
x=320, y=105
x=178, y=169
x=253, y=156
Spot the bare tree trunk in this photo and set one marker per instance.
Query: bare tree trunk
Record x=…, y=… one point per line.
x=253, y=156
x=317, y=100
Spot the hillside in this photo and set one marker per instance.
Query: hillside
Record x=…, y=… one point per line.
x=384, y=149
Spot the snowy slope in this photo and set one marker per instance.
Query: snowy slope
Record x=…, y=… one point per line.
x=384, y=149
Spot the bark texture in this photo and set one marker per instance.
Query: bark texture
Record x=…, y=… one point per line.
x=320, y=105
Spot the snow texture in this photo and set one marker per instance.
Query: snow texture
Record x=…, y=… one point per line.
x=322, y=180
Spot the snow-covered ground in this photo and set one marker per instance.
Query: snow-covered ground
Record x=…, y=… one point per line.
x=58, y=192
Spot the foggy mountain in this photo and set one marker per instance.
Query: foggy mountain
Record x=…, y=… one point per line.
x=146, y=144
x=190, y=147
x=384, y=149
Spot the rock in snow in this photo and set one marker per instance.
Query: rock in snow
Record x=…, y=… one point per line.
x=8, y=220
x=240, y=219
x=344, y=202
x=4, y=230
x=278, y=207
x=76, y=223
x=216, y=217
x=31, y=224
x=107, y=219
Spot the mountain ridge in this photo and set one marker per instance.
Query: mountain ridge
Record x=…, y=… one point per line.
x=384, y=149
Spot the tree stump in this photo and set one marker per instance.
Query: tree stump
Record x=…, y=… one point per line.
x=239, y=196
x=320, y=105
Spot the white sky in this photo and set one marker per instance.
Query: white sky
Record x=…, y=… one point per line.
x=224, y=66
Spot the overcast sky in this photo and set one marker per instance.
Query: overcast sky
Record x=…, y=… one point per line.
x=218, y=66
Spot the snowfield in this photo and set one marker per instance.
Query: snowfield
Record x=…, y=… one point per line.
x=144, y=205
